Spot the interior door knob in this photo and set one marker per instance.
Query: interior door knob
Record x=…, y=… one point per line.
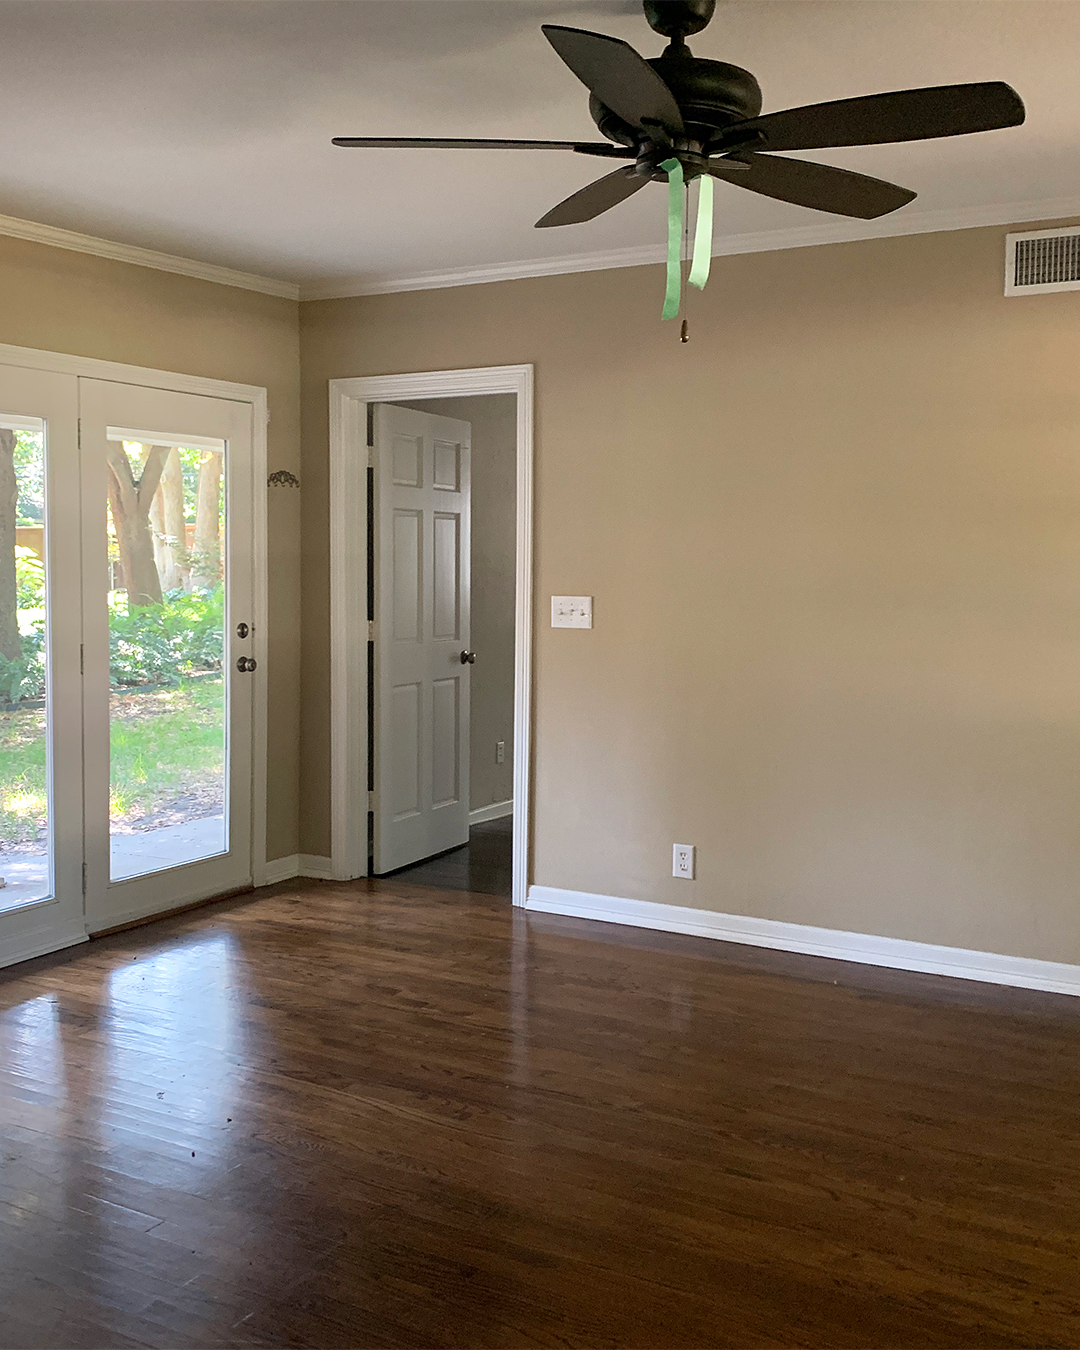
x=468, y=658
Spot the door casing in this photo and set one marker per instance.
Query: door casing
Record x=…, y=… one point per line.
x=349, y=399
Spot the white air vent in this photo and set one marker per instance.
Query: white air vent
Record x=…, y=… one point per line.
x=1042, y=261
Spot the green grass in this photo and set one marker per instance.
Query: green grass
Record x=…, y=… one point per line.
x=165, y=744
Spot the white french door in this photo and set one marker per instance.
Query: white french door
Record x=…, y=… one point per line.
x=127, y=653
x=41, y=901
x=167, y=801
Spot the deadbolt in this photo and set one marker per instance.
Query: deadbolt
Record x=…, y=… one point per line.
x=242, y=630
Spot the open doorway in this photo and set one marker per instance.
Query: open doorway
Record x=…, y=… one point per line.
x=431, y=627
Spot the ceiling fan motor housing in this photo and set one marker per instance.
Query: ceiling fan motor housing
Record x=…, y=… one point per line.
x=711, y=95
x=678, y=18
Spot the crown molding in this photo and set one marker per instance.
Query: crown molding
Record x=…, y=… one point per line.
x=144, y=257
x=761, y=241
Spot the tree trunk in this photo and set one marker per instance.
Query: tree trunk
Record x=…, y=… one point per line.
x=130, y=502
x=157, y=535
x=10, y=642
x=206, y=562
x=172, y=501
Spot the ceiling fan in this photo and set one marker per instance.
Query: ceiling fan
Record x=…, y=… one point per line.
x=679, y=117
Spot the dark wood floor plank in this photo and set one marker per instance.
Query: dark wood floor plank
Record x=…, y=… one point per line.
x=382, y=1114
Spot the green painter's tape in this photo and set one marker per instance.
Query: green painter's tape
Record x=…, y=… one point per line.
x=699, y=268
x=673, y=169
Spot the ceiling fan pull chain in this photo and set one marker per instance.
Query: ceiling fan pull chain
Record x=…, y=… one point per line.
x=673, y=294
x=699, y=267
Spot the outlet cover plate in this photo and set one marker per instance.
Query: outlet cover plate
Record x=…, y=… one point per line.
x=682, y=861
x=571, y=611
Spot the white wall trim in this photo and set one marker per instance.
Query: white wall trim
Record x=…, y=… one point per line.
x=758, y=241
x=348, y=591
x=280, y=869
x=298, y=865
x=42, y=942
x=93, y=368
x=144, y=257
x=260, y=622
x=894, y=953
x=348, y=635
x=496, y=811
x=312, y=865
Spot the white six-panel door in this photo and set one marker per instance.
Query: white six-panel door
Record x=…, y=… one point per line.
x=422, y=533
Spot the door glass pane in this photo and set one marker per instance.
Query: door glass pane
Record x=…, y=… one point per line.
x=168, y=696
x=25, y=837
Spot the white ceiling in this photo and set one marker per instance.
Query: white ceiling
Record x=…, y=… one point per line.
x=202, y=127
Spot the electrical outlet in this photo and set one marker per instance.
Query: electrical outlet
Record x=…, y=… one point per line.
x=682, y=861
x=500, y=752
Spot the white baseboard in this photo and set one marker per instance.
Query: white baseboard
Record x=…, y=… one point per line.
x=311, y=865
x=41, y=943
x=895, y=953
x=495, y=811
x=281, y=869
x=299, y=865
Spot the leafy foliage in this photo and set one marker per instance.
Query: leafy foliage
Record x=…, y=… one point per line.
x=29, y=578
x=25, y=677
x=29, y=458
x=158, y=644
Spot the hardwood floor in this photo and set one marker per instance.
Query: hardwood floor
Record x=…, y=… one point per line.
x=378, y=1115
x=484, y=865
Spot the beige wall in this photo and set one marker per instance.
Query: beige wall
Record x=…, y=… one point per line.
x=494, y=532
x=61, y=301
x=835, y=547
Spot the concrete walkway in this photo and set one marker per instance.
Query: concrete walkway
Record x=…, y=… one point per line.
x=132, y=855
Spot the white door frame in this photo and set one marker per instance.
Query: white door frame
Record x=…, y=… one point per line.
x=348, y=596
x=93, y=368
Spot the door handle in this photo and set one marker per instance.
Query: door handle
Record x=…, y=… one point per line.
x=468, y=658
x=245, y=664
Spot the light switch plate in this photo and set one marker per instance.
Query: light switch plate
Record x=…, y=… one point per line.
x=571, y=611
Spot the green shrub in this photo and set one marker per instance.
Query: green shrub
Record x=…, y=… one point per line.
x=157, y=644
x=25, y=677
x=29, y=578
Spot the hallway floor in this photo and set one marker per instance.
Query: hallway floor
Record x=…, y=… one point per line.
x=379, y=1114
x=484, y=865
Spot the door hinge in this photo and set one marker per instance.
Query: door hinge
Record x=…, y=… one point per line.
x=84, y=878
x=82, y=659
x=371, y=630
x=371, y=801
x=267, y=414
x=78, y=433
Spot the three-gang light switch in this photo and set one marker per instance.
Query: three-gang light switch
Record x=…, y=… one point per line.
x=571, y=611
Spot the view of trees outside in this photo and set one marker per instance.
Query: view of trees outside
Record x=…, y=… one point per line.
x=165, y=521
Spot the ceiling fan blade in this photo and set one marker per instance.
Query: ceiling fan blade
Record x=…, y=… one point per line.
x=621, y=79
x=879, y=119
x=805, y=183
x=593, y=200
x=455, y=143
